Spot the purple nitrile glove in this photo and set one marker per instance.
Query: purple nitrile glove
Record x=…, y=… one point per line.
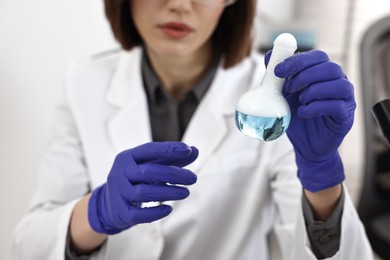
x=322, y=105
x=149, y=172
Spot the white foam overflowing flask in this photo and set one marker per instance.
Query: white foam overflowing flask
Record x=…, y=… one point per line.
x=263, y=113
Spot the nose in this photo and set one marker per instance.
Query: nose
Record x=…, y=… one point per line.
x=180, y=5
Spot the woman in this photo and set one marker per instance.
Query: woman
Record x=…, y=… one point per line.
x=111, y=188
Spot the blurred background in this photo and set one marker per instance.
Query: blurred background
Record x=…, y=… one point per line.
x=39, y=38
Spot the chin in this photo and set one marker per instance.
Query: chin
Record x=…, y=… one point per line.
x=173, y=51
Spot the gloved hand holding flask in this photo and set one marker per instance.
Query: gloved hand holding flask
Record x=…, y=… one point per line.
x=149, y=172
x=322, y=105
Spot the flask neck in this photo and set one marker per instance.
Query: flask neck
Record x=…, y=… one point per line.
x=270, y=80
x=271, y=83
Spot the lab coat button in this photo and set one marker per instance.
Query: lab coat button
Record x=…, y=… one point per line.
x=154, y=234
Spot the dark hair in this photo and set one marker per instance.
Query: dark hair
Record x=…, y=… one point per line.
x=232, y=36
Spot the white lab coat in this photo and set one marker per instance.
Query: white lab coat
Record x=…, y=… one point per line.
x=245, y=205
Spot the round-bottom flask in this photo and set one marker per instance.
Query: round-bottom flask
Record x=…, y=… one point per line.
x=263, y=113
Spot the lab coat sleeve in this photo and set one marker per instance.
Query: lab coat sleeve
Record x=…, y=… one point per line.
x=290, y=237
x=63, y=180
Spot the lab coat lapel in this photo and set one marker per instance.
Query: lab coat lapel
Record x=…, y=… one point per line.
x=129, y=125
x=209, y=125
x=206, y=132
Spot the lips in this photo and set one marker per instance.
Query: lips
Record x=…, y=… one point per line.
x=176, y=30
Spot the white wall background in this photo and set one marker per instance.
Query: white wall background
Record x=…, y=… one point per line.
x=37, y=41
x=39, y=38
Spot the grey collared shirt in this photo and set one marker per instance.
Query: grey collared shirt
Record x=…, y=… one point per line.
x=169, y=120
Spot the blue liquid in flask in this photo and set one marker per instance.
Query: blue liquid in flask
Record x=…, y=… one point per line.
x=262, y=128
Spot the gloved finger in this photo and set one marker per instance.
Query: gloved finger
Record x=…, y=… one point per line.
x=160, y=150
x=335, y=89
x=119, y=183
x=299, y=62
x=147, y=215
x=154, y=192
x=326, y=71
x=154, y=173
x=338, y=109
x=267, y=56
x=180, y=162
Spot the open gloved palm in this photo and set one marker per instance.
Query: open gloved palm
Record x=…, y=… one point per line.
x=149, y=172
